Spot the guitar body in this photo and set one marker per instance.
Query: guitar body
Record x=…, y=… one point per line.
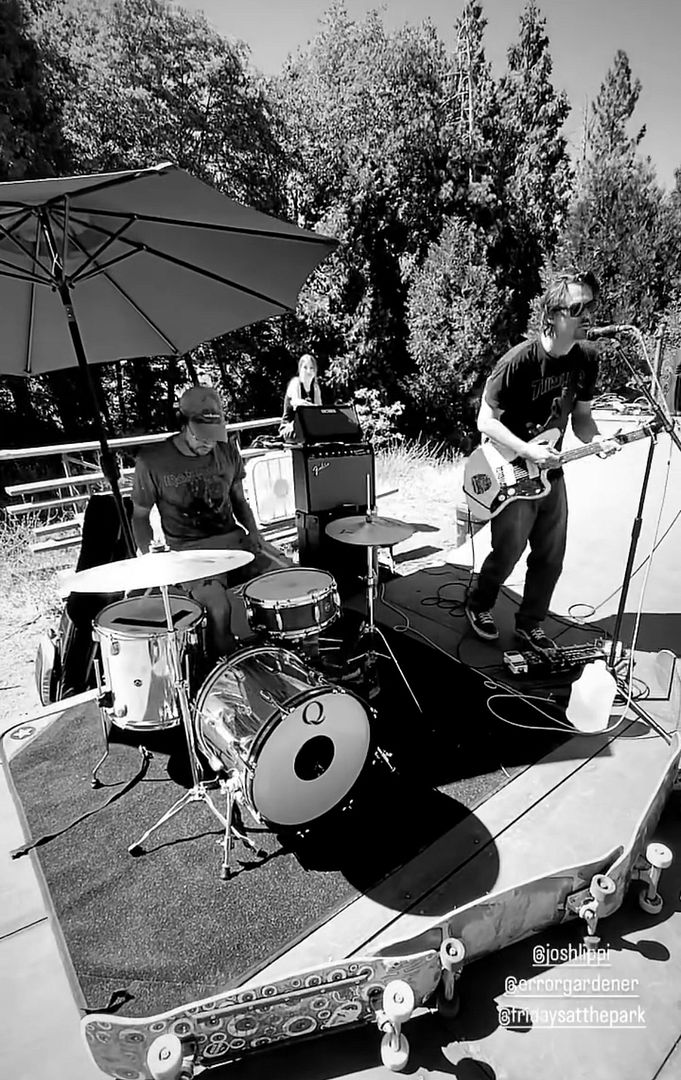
x=492, y=480
x=495, y=477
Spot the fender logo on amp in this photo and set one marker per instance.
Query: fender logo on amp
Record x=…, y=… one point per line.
x=316, y=469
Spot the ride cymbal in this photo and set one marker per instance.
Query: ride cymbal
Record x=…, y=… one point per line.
x=366, y=531
x=155, y=569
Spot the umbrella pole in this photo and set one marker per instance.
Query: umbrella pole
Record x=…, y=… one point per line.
x=109, y=463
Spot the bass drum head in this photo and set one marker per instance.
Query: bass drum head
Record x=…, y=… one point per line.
x=307, y=763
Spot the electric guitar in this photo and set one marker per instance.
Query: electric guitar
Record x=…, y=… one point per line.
x=495, y=476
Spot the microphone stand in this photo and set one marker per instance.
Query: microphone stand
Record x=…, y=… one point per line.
x=665, y=422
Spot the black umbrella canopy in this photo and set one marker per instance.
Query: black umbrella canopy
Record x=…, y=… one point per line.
x=147, y=262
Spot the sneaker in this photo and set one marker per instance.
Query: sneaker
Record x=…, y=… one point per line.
x=483, y=624
x=535, y=638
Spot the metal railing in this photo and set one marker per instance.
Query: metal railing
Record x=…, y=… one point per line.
x=73, y=482
x=72, y=490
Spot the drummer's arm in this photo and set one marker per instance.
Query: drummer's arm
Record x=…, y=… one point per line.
x=144, y=497
x=141, y=527
x=244, y=514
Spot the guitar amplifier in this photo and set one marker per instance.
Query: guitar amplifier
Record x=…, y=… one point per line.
x=332, y=474
x=326, y=423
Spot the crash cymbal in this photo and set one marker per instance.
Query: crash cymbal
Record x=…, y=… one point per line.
x=368, y=531
x=156, y=568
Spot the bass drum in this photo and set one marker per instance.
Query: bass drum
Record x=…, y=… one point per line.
x=297, y=743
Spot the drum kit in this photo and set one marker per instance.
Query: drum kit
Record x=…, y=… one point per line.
x=267, y=728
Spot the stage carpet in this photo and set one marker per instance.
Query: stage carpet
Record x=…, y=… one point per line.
x=162, y=928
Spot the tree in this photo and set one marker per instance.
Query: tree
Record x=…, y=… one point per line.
x=533, y=171
x=454, y=305
x=618, y=225
x=371, y=132
x=31, y=140
x=143, y=81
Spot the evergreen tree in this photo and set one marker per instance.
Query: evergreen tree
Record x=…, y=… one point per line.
x=372, y=129
x=618, y=224
x=453, y=308
x=533, y=171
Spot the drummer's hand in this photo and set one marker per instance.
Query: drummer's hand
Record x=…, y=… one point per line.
x=252, y=542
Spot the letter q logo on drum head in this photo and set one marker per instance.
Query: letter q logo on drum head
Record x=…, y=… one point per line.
x=300, y=776
x=313, y=712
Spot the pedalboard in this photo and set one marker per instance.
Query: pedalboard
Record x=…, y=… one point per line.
x=559, y=660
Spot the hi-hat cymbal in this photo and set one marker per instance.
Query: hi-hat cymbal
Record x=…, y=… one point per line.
x=156, y=568
x=369, y=531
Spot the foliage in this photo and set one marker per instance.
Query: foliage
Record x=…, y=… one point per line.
x=371, y=133
x=453, y=307
x=377, y=418
x=145, y=82
x=618, y=224
x=532, y=172
x=32, y=142
x=449, y=191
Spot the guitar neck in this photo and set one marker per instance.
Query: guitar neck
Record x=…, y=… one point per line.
x=595, y=448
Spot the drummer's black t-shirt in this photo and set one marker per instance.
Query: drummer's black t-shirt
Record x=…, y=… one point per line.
x=193, y=494
x=534, y=391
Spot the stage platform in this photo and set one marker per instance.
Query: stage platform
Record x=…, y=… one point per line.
x=517, y=798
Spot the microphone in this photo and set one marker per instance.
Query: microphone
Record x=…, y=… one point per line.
x=606, y=331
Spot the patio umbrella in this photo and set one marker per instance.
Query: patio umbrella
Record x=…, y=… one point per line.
x=147, y=262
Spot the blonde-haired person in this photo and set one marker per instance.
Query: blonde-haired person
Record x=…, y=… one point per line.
x=303, y=389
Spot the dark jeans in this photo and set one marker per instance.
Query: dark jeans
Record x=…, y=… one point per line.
x=543, y=524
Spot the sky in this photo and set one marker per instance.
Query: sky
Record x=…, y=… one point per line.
x=584, y=36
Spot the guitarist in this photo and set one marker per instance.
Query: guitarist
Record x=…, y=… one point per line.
x=538, y=385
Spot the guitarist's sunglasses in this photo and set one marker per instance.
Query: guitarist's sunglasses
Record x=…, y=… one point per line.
x=578, y=308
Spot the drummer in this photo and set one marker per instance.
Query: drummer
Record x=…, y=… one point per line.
x=195, y=480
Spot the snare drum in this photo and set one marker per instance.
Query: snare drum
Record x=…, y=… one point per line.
x=134, y=641
x=292, y=604
x=297, y=743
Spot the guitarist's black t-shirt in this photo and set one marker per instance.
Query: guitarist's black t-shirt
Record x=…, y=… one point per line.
x=535, y=392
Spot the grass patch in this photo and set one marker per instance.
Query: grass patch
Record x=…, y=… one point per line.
x=28, y=581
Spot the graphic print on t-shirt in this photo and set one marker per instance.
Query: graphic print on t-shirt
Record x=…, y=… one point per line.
x=207, y=505
x=559, y=408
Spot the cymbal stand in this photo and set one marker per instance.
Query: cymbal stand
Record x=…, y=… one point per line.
x=199, y=790
x=370, y=630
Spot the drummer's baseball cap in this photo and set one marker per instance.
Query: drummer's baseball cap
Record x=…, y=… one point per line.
x=202, y=405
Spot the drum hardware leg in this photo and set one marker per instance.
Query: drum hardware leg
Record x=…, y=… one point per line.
x=199, y=789
x=234, y=826
x=369, y=628
x=104, y=702
x=95, y=782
